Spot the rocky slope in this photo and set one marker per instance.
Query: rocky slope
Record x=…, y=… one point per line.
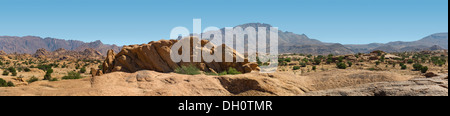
x=63, y=54
x=29, y=44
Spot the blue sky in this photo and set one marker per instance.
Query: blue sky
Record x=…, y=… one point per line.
x=124, y=22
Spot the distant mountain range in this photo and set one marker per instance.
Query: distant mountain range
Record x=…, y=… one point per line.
x=433, y=42
x=288, y=43
x=30, y=44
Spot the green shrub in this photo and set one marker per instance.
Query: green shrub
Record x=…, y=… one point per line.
x=77, y=66
x=44, y=67
x=72, y=75
x=403, y=67
x=189, y=70
x=83, y=70
x=223, y=73
x=303, y=64
x=53, y=79
x=10, y=84
x=329, y=61
x=350, y=64
x=14, y=74
x=32, y=79
x=296, y=68
x=233, y=71
x=410, y=61
x=417, y=67
x=317, y=61
x=341, y=65
x=424, y=69
x=3, y=83
x=287, y=59
x=5, y=73
x=48, y=74
x=341, y=59
x=27, y=69
x=314, y=68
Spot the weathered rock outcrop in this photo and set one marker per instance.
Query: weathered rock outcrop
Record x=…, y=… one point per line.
x=156, y=56
x=41, y=53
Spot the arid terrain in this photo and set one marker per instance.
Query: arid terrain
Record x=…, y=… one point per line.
x=145, y=70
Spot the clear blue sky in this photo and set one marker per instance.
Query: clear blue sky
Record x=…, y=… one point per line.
x=126, y=22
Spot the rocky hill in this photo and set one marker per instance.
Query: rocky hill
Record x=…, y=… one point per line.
x=63, y=54
x=29, y=44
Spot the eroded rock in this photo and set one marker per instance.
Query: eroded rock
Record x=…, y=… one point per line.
x=156, y=56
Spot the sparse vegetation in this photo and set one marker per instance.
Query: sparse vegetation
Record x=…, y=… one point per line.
x=424, y=69
x=27, y=69
x=83, y=70
x=233, y=71
x=341, y=65
x=417, y=67
x=10, y=84
x=317, y=61
x=13, y=71
x=403, y=67
x=350, y=64
x=189, y=70
x=5, y=73
x=410, y=61
x=48, y=74
x=3, y=83
x=296, y=68
x=32, y=79
x=72, y=75
x=303, y=64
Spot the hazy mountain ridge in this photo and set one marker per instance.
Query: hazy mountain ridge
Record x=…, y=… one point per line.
x=29, y=44
x=432, y=42
x=290, y=42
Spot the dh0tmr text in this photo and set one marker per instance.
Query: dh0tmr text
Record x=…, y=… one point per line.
x=227, y=106
x=247, y=105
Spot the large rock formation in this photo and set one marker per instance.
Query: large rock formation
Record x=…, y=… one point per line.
x=41, y=53
x=156, y=56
